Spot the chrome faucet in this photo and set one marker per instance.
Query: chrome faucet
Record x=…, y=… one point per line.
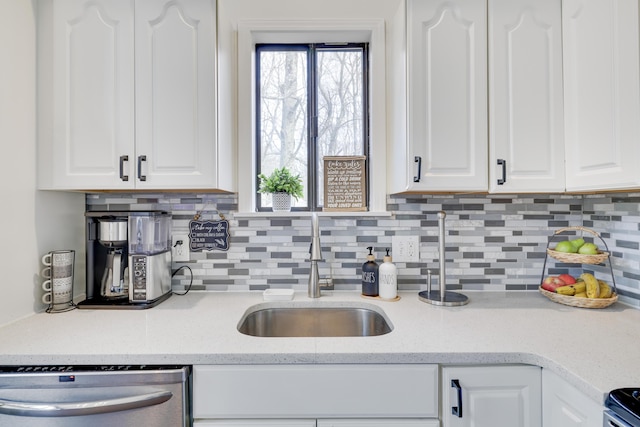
x=315, y=255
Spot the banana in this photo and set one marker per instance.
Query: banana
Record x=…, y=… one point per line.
x=580, y=286
x=581, y=295
x=593, y=287
x=605, y=289
x=571, y=290
x=566, y=290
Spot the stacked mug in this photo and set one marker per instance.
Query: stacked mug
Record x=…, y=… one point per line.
x=58, y=284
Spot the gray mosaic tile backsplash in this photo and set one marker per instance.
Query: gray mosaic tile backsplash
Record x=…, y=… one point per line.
x=493, y=242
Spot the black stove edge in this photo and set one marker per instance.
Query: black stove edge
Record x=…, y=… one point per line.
x=625, y=404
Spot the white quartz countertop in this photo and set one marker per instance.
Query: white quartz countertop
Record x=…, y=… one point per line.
x=596, y=350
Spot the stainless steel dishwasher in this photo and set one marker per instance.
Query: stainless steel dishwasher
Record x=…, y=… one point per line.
x=97, y=396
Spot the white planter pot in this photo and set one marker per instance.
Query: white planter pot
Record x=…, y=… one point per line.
x=281, y=202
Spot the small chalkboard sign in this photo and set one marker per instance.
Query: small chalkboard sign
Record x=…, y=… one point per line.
x=209, y=235
x=345, y=183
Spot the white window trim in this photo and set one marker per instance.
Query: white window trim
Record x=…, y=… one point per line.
x=250, y=32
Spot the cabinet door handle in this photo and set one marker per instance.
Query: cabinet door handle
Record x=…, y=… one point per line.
x=457, y=410
x=123, y=159
x=141, y=159
x=418, y=160
x=503, y=163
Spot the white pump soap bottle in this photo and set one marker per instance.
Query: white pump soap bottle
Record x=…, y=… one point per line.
x=387, y=279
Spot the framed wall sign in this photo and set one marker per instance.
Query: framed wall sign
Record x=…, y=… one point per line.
x=345, y=184
x=208, y=235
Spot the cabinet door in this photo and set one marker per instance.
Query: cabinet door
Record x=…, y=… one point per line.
x=565, y=406
x=254, y=423
x=86, y=95
x=315, y=391
x=602, y=94
x=387, y=422
x=490, y=396
x=525, y=96
x=447, y=95
x=175, y=94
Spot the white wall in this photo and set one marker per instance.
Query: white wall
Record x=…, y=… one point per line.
x=32, y=222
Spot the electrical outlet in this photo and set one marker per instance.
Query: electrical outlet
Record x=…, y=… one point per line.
x=326, y=284
x=405, y=248
x=180, y=247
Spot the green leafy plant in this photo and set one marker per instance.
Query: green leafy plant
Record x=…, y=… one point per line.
x=281, y=181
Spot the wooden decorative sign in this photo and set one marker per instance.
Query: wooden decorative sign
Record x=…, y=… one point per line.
x=345, y=183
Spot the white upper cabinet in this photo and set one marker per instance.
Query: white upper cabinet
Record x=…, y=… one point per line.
x=484, y=97
x=447, y=97
x=526, y=150
x=85, y=94
x=175, y=44
x=130, y=102
x=602, y=94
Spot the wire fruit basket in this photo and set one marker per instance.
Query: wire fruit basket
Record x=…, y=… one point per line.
x=575, y=258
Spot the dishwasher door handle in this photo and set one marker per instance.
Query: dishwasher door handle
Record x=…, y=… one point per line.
x=58, y=409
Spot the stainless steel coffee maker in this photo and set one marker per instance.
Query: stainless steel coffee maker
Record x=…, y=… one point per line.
x=128, y=259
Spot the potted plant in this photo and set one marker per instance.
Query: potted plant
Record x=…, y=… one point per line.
x=282, y=185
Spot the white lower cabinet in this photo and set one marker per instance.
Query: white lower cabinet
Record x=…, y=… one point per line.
x=254, y=423
x=492, y=396
x=406, y=395
x=310, y=395
x=566, y=406
x=378, y=423
x=318, y=423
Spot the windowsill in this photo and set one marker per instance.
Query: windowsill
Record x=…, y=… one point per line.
x=308, y=214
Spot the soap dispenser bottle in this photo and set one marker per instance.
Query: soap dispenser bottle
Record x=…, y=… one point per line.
x=370, y=275
x=388, y=278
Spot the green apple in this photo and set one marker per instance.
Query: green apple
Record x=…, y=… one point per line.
x=577, y=243
x=565, y=246
x=588, y=249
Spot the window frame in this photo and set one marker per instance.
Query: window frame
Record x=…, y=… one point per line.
x=311, y=50
x=242, y=23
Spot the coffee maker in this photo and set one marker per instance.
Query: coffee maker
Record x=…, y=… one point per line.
x=128, y=259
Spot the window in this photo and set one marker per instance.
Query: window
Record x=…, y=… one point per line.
x=311, y=102
x=245, y=24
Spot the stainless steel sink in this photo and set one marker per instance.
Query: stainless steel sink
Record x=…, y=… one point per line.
x=314, y=320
